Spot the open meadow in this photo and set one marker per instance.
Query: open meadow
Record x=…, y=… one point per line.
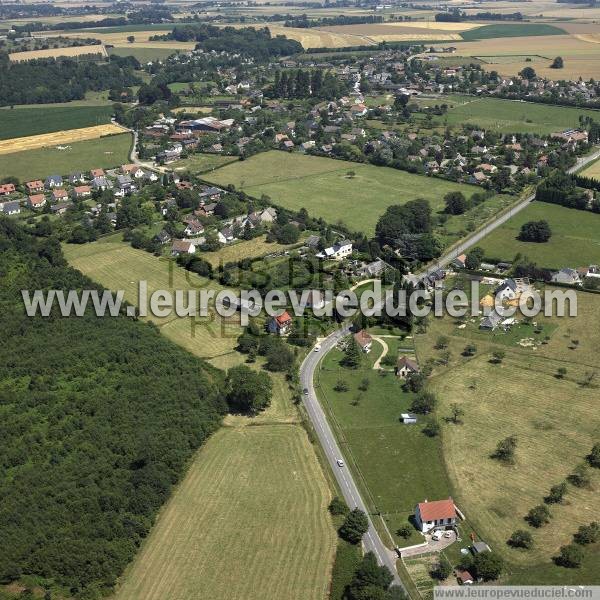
x=250, y=518
x=201, y=163
x=592, y=171
x=575, y=240
x=323, y=187
x=104, y=152
x=26, y=121
x=555, y=422
x=508, y=116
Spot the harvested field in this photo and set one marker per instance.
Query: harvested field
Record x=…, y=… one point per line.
x=142, y=39
x=316, y=38
x=58, y=138
x=55, y=52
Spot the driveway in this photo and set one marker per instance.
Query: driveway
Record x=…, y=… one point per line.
x=432, y=546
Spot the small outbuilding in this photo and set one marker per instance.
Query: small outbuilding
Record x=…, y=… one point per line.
x=408, y=418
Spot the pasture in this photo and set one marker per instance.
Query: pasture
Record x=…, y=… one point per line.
x=202, y=163
x=55, y=52
x=503, y=30
x=243, y=249
x=144, y=55
x=250, y=518
x=24, y=121
x=575, y=240
x=508, y=116
x=324, y=188
x=57, y=138
x=104, y=152
x=592, y=171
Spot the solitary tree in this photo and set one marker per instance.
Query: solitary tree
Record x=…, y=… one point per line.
x=355, y=526
x=505, y=450
x=131, y=39
x=474, y=258
x=498, y=356
x=456, y=412
x=580, y=477
x=488, y=566
x=587, y=534
x=424, y=403
x=557, y=493
x=570, y=556
x=352, y=355
x=561, y=372
x=248, y=391
x=535, y=231
x=594, y=456
x=456, y=203
x=521, y=539
x=538, y=516
x=557, y=63
x=528, y=73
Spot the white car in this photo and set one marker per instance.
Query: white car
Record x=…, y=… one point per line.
x=437, y=535
x=317, y=348
x=340, y=462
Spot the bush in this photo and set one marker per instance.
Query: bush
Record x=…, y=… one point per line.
x=505, y=450
x=587, y=534
x=580, y=477
x=405, y=531
x=538, y=516
x=593, y=457
x=432, y=428
x=556, y=494
x=424, y=403
x=488, y=566
x=570, y=556
x=338, y=507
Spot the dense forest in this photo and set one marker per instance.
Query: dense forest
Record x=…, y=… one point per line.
x=304, y=22
x=99, y=419
x=60, y=79
x=247, y=41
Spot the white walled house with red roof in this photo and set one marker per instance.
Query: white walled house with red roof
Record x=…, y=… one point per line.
x=440, y=514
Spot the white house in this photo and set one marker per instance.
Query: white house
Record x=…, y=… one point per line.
x=439, y=514
x=408, y=418
x=405, y=366
x=183, y=247
x=225, y=235
x=11, y=207
x=338, y=251
x=568, y=276
x=507, y=290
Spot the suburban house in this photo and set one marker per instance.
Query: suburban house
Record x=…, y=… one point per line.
x=280, y=324
x=364, y=340
x=125, y=184
x=405, y=366
x=100, y=183
x=182, y=247
x=53, y=181
x=12, y=207
x=82, y=191
x=77, y=177
x=61, y=207
x=7, y=188
x=59, y=194
x=133, y=171
x=465, y=578
x=207, y=210
x=225, y=235
x=210, y=193
x=163, y=237
x=35, y=186
x=36, y=201
x=507, y=290
x=97, y=173
x=436, y=514
x=459, y=261
x=567, y=276
x=338, y=251
x=194, y=228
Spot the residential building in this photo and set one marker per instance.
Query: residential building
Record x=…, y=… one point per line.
x=435, y=514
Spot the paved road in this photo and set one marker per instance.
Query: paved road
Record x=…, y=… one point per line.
x=349, y=489
x=371, y=540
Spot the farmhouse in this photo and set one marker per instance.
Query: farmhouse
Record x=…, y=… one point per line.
x=405, y=366
x=439, y=513
x=182, y=247
x=364, y=340
x=281, y=324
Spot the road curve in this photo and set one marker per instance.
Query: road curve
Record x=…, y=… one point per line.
x=372, y=540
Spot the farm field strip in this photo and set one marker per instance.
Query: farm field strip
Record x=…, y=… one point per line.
x=54, y=52
x=33, y=142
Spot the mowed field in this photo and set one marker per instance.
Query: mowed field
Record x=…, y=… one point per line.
x=57, y=138
x=322, y=186
x=592, y=171
x=24, y=121
x=580, y=56
x=507, y=116
x=109, y=151
x=250, y=519
x=54, y=52
x=118, y=37
x=575, y=240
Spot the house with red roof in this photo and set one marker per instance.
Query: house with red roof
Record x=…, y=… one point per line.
x=7, y=188
x=438, y=514
x=35, y=186
x=36, y=201
x=281, y=324
x=364, y=340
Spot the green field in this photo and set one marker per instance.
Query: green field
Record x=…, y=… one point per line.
x=575, y=240
x=144, y=55
x=105, y=152
x=507, y=116
x=322, y=186
x=501, y=30
x=21, y=122
x=399, y=465
x=555, y=421
x=202, y=163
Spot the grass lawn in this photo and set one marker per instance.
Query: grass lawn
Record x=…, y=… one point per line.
x=556, y=422
x=592, y=171
x=322, y=186
x=244, y=249
x=508, y=116
x=398, y=464
x=105, y=152
x=575, y=237
x=501, y=30
x=22, y=121
x=202, y=163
